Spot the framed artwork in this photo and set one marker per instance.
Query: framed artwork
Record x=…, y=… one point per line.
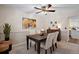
x=28, y=23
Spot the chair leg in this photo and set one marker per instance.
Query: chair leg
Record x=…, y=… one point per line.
x=30, y=44
x=56, y=45
x=35, y=47
x=45, y=51
x=53, y=46
x=50, y=49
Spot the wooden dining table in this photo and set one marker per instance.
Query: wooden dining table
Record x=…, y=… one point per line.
x=37, y=38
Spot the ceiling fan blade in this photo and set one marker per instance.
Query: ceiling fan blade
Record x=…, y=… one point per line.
x=37, y=8
x=38, y=12
x=50, y=10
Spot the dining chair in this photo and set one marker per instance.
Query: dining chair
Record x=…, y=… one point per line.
x=54, y=41
x=48, y=43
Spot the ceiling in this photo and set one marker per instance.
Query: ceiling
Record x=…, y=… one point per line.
x=29, y=5
x=29, y=8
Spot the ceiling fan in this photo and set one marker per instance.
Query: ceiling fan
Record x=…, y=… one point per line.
x=44, y=9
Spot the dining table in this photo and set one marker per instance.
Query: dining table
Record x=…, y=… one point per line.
x=38, y=39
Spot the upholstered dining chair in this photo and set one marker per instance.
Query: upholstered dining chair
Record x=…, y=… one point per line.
x=48, y=43
x=54, y=41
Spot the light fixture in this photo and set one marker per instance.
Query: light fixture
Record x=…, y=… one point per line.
x=59, y=25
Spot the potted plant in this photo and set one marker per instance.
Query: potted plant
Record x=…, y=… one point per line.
x=6, y=31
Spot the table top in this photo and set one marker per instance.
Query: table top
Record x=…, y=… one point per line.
x=38, y=36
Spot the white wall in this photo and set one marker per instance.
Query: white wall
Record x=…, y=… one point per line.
x=61, y=16
x=14, y=17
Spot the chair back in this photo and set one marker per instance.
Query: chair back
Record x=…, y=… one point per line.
x=49, y=39
x=55, y=38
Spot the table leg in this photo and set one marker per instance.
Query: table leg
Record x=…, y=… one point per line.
x=38, y=47
x=27, y=43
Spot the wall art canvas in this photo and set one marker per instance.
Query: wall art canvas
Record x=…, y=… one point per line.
x=28, y=23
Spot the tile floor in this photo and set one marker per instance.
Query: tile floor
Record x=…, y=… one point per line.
x=63, y=48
